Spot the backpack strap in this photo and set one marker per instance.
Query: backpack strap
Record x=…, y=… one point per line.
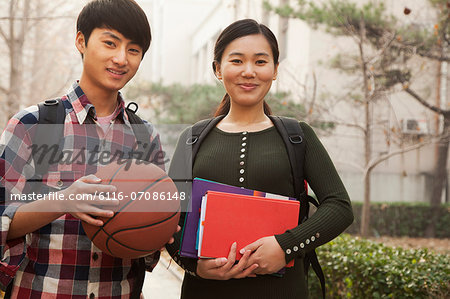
x=199, y=132
x=294, y=139
x=140, y=131
x=50, y=112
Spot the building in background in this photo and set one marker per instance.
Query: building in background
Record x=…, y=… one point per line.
x=182, y=52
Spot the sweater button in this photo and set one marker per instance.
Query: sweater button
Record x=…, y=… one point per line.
x=242, y=156
x=295, y=248
x=242, y=171
x=302, y=245
x=244, y=138
x=307, y=241
x=241, y=180
x=288, y=251
x=313, y=238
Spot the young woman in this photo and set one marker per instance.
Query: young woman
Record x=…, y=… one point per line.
x=246, y=150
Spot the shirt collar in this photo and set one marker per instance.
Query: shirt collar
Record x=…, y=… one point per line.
x=84, y=108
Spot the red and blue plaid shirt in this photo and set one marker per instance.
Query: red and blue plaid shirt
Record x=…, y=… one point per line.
x=59, y=260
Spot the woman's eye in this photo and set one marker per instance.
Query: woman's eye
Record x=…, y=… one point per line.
x=109, y=43
x=135, y=51
x=236, y=61
x=261, y=62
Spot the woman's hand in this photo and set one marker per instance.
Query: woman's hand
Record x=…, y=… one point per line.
x=224, y=268
x=267, y=254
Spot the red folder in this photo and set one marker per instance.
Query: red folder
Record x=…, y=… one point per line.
x=243, y=219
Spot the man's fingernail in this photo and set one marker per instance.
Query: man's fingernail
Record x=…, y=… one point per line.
x=223, y=260
x=242, y=251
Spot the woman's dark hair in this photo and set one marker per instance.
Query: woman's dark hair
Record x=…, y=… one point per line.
x=125, y=16
x=234, y=31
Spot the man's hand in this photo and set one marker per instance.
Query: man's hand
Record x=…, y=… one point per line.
x=87, y=210
x=224, y=268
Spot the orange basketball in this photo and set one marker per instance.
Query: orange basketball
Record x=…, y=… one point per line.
x=147, y=215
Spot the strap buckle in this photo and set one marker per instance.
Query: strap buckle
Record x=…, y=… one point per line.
x=134, y=105
x=192, y=140
x=296, y=139
x=51, y=102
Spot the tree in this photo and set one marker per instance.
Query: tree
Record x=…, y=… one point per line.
x=386, y=50
x=26, y=30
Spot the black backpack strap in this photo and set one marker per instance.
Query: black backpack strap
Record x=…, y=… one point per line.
x=294, y=139
x=140, y=132
x=50, y=112
x=199, y=132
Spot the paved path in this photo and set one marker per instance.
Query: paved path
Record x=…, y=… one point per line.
x=165, y=281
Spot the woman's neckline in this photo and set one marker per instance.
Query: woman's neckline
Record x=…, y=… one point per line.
x=244, y=132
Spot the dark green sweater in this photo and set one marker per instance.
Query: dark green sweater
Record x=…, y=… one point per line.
x=258, y=160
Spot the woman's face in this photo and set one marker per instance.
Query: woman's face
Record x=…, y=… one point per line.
x=247, y=69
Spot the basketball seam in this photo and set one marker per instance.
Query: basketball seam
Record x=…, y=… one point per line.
x=128, y=203
x=111, y=236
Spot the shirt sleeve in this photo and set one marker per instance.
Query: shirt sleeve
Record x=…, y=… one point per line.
x=334, y=213
x=16, y=167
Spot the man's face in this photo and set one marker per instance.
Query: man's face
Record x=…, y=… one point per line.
x=110, y=60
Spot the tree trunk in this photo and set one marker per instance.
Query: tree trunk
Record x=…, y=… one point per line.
x=439, y=178
x=365, y=217
x=16, y=41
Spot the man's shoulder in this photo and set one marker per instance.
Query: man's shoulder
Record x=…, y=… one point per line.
x=29, y=115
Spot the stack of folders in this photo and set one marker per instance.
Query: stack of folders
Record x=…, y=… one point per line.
x=223, y=214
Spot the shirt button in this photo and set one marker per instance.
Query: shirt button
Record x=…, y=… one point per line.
x=244, y=144
x=241, y=171
x=241, y=180
x=242, y=156
x=59, y=183
x=95, y=256
x=288, y=251
x=295, y=248
x=91, y=296
x=244, y=138
x=244, y=133
x=241, y=163
x=243, y=150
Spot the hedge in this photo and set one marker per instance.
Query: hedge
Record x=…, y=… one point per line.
x=402, y=219
x=357, y=268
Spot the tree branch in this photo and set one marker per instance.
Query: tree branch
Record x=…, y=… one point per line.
x=376, y=161
x=4, y=90
x=412, y=93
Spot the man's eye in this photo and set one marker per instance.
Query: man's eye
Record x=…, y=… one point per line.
x=261, y=62
x=109, y=43
x=135, y=51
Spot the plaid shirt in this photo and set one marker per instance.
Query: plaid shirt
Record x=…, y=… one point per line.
x=59, y=260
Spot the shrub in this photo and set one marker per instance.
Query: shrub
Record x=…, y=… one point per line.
x=402, y=219
x=356, y=268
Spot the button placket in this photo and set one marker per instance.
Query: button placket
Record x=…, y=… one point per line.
x=242, y=157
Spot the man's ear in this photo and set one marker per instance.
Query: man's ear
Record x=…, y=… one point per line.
x=80, y=42
x=217, y=71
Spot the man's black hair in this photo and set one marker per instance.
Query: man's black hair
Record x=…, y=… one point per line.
x=125, y=16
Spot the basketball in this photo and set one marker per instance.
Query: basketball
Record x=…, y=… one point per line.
x=147, y=215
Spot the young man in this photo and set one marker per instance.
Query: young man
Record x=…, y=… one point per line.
x=47, y=254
